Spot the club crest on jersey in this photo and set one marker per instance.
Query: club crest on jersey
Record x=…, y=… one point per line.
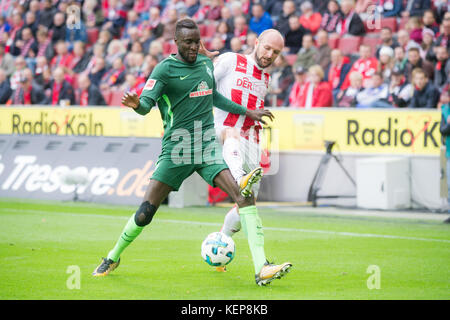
x=150, y=84
x=202, y=90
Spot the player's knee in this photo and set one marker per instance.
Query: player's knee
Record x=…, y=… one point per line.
x=144, y=214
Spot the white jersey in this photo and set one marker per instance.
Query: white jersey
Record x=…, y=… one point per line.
x=241, y=80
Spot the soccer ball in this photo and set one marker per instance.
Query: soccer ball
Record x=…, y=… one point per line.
x=218, y=249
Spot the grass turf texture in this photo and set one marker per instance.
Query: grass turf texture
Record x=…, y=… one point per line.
x=330, y=255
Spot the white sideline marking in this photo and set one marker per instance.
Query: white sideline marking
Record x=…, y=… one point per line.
x=337, y=233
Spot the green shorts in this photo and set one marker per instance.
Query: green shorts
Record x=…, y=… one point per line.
x=174, y=174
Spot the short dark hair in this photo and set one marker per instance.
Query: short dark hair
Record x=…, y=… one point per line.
x=414, y=49
x=185, y=23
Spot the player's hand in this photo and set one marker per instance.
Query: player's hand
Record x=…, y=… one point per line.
x=131, y=100
x=202, y=50
x=259, y=114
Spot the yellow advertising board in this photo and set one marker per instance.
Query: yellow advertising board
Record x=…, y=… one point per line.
x=388, y=131
x=360, y=131
x=79, y=121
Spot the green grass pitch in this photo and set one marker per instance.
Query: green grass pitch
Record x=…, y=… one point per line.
x=331, y=255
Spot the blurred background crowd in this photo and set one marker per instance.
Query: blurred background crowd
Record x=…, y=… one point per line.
x=347, y=53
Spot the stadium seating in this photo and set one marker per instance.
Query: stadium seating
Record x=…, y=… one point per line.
x=107, y=96
x=350, y=44
x=402, y=23
x=116, y=97
x=211, y=29
x=202, y=29
x=207, y=30
x=169, y=48
x=372, y=42
x=372, y=26
x=333, y=43
x=390, y=23
x=92, y=35
x=290, y=59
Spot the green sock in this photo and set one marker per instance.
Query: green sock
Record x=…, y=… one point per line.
x=129, y=233
x=252, y=226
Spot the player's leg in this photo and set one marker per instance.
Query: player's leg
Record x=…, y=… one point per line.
x=248, y=215
x=156, y=192
x=168, y=176
x=251, y=159
x=232, y=222
x=235, y=157
x=252, y=226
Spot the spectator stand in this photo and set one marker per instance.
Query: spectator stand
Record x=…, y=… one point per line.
x=113, y=16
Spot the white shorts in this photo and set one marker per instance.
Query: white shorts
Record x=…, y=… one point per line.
x=250, y=153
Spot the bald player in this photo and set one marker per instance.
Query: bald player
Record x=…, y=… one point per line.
x=243, y=79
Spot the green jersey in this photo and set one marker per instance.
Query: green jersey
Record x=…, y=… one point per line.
x=185, y=94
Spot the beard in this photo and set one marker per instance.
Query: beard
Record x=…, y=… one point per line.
x=187, y=57
x=262, y=62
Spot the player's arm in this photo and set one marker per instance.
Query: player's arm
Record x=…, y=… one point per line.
x=141, y=105
x=153, y=89
x=227, y=105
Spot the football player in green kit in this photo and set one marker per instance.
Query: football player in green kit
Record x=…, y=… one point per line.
x=183, y=87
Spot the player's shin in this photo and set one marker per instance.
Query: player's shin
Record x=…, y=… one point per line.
x=252, y=226
x=133, y=228
x=232, y=222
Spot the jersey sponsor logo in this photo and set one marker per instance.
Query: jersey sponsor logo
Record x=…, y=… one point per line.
x=257, y=87
x=182, y=78
x=245, y=83
x=150, y=84
x=202, y=90
x=241, y=65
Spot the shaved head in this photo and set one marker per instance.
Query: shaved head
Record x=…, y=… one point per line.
x=268, y=46
x=272, y=36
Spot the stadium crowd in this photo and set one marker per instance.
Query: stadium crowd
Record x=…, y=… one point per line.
x=343, y=53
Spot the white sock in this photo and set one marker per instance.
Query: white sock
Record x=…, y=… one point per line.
x=232, y=156
x=232, y=222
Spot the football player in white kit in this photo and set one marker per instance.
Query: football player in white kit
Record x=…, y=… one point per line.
x=243, y=79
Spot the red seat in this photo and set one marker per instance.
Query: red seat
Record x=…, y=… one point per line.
x=372, y=25
x=202, y=29
x=207, y=42
x=116, y=98
x=390, y=23
x=350, y=44
x=372, y=42
x=333, y=43
x=107, y=96
x=173, y=48
x=211, y=30
x=290, y=59
x=92, y=35
x=403, y=22
x=169, y=48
